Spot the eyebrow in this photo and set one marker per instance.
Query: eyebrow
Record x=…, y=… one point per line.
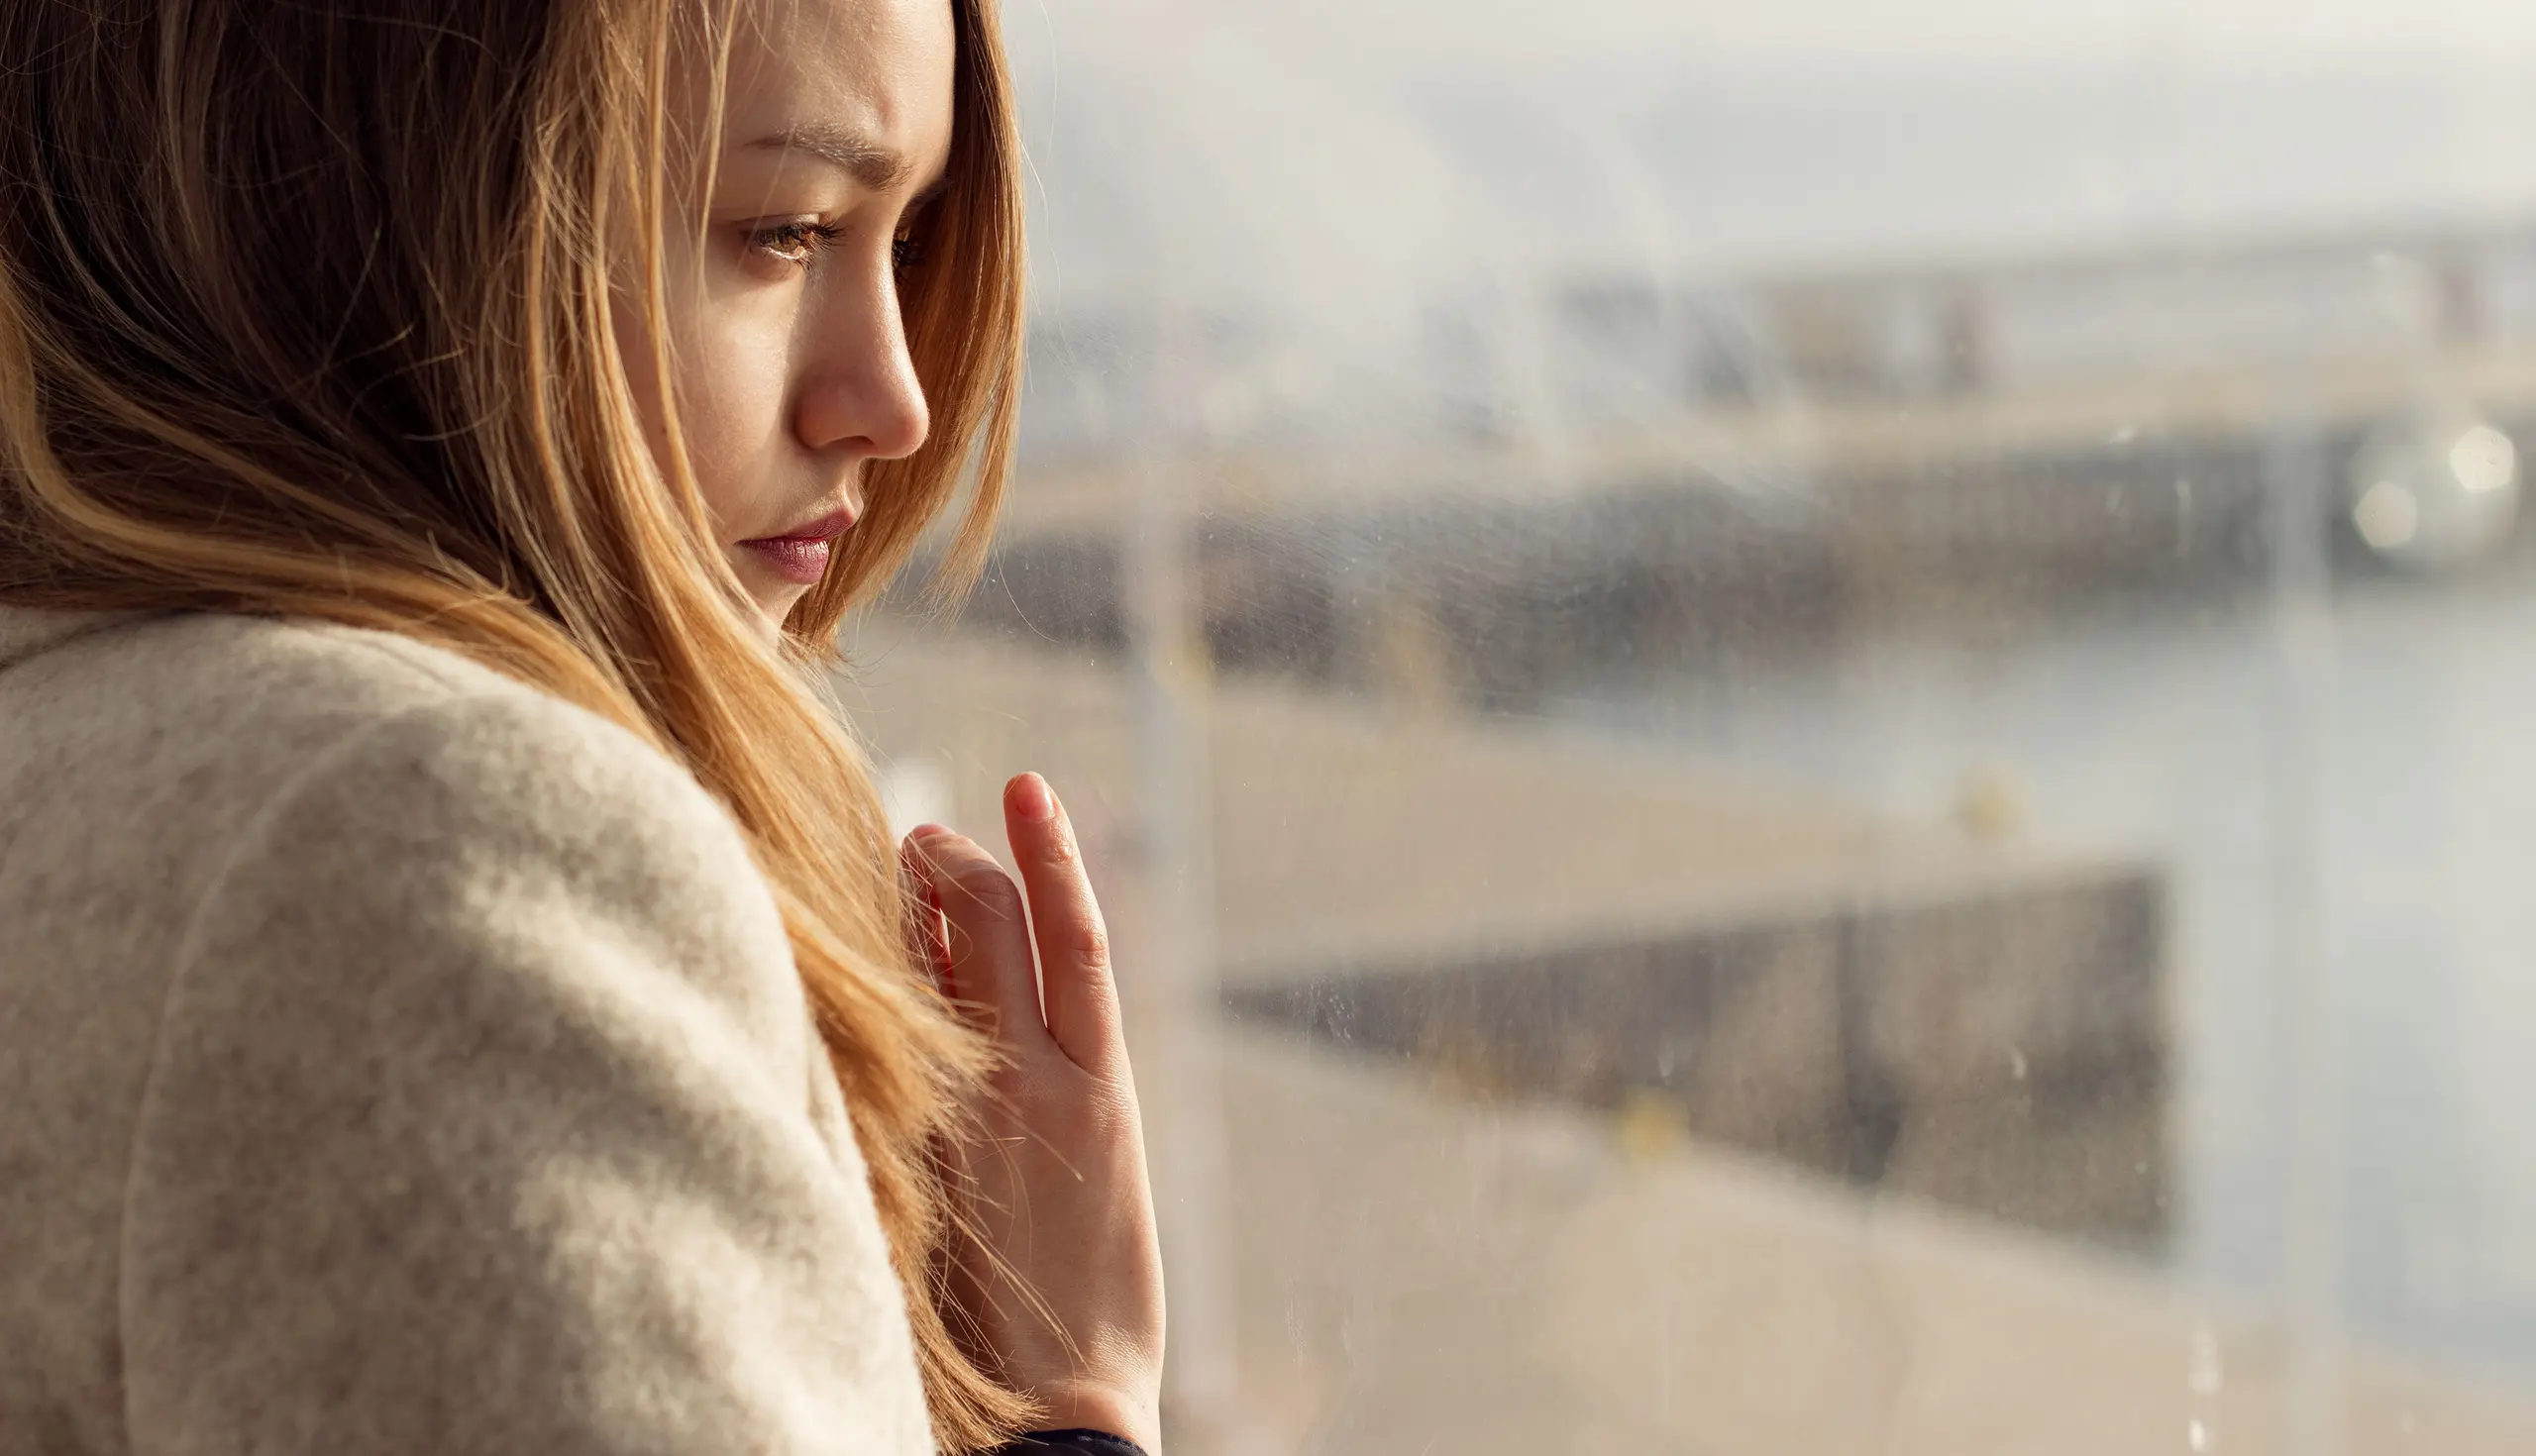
x=859, y=157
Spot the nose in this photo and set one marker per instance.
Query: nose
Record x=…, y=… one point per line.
x=857, y=393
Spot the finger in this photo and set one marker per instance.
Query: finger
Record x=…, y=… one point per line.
x=1081, y=995
x=987, y=936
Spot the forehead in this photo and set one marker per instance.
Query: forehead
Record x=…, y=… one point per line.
x=880, y=68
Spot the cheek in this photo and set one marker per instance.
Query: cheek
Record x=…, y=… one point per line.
x=730, y=382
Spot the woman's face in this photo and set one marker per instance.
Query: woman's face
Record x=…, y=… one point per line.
x=788, y=360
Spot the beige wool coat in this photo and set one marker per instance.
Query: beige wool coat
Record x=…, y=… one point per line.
x=393, y=1059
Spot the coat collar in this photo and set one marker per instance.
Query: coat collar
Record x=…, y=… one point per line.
x=28, y=631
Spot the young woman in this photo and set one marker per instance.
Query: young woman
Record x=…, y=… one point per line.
x=458, y=992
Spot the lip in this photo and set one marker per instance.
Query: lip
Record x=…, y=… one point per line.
x=800, y=553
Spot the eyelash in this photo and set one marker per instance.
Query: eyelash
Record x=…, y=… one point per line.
x=801, y=243
x=795, y=243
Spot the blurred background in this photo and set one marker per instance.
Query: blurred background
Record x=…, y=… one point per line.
x=1809, y=724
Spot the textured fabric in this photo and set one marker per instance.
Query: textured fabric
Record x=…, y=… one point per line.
x=393, y=1059
x=1082, y=1442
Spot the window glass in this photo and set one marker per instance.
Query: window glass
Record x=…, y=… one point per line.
x=1807, y=724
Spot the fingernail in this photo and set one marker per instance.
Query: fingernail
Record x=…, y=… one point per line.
x=1031, y=799
x=923, y=833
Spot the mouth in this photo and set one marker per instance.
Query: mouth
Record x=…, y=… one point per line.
x=800, y=555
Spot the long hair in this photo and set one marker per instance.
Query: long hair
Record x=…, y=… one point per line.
x=305, y=311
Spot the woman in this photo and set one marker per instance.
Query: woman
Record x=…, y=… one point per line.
x=458, y=991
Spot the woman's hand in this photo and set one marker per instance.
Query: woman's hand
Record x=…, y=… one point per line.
x=1065, y=1293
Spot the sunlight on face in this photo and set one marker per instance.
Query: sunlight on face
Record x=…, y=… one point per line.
x=790, y=363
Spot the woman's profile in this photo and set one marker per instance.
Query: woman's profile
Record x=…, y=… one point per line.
x=459, y=990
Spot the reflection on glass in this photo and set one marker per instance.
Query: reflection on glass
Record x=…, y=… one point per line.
x=2436, y=493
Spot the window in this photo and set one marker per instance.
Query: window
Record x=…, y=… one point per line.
x=1807, y=724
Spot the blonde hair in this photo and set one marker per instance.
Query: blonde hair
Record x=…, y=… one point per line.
x=307, y=312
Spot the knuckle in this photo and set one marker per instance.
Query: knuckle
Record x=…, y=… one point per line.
x=1062, y=852
x=1088, y=944
x=983, y=883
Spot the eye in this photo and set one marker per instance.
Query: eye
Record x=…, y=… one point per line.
x=905, y=251
x=798, y=241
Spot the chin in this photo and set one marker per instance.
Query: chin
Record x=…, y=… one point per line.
x=772, y=610
x=772, y=595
